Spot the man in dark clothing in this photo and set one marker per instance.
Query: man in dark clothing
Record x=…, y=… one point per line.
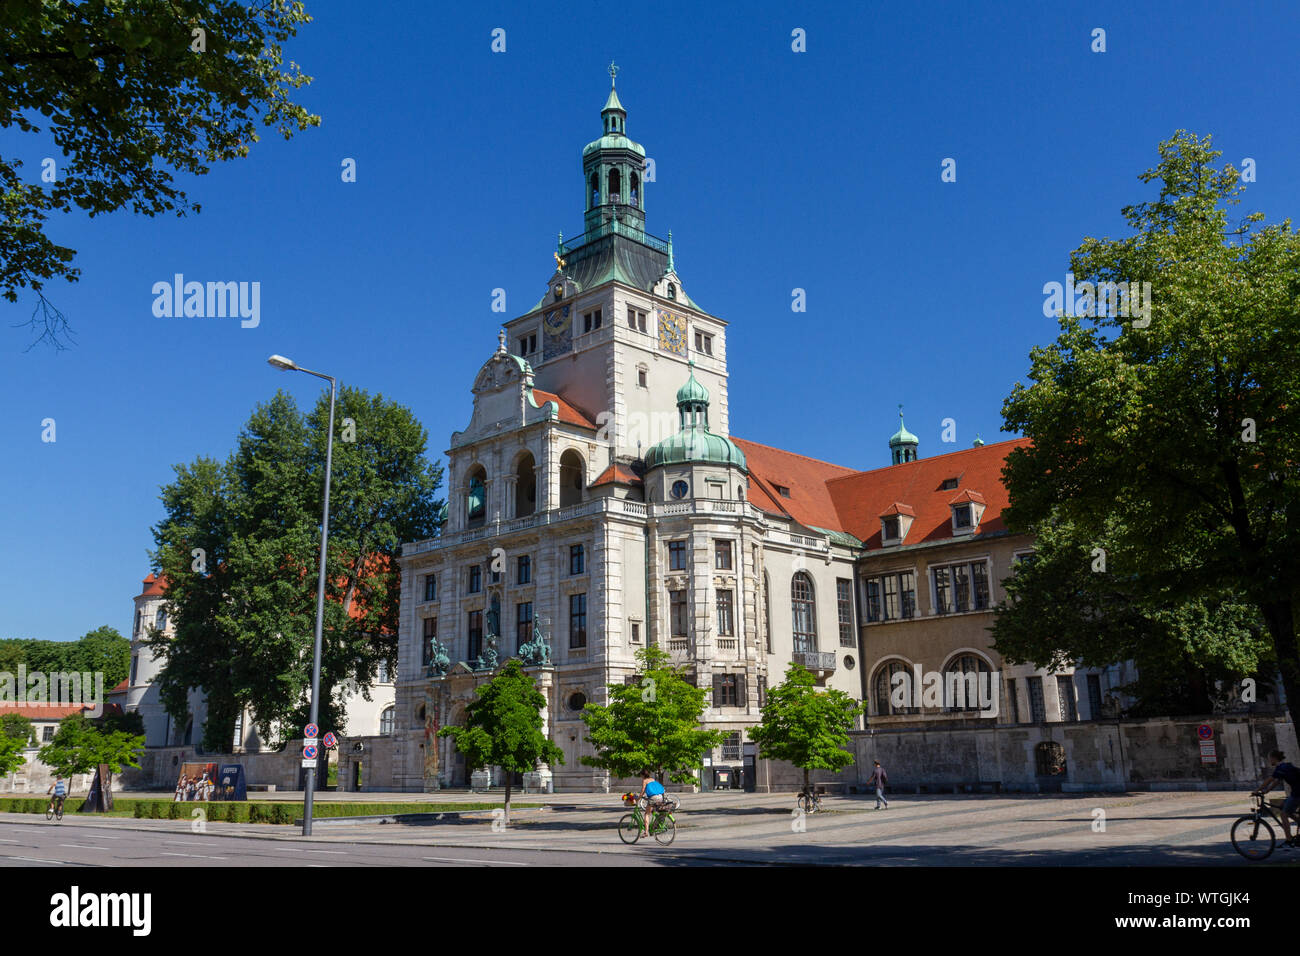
x=1289, y=775
x=878, y=778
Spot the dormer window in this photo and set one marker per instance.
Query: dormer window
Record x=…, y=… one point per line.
x=967, y=510
x=889, y=529
x=961, y=517
x=895, y=522
x=783, y=491
x=949, y=484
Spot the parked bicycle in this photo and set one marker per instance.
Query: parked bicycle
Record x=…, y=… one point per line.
x=663, y=825
x=809, y=800
x=1252, y=835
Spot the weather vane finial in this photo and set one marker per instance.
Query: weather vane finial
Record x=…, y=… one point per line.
x=613, y=72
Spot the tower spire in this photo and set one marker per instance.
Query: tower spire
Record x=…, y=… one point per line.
x=903, y=445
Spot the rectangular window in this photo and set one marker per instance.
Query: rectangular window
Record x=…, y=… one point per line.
x=430, y=587
x=475, y=635
x=382, y=676
x=961, y=516
x=677, y=614
x=635, y=319
x=1065, y=696
x=890, y=528
x=135, y=661
x=577, y=562
x=873, y=599
x=704, y=343
x=1013, y=702
x=636, y=633
x=725, y=690
x=961, y=587
x=428, y=636
x=907, y=585
x=47, y=734
x=523, y=624
x=948, y=484
x=762, y=691
x=725, y=614
x=475, y=578
x=577, y=620
x=528, y=344
x=591, y=321
x=1094, y=696
x=677, y=555
x=731, y=746
x=641, y=378
x=1037, y=709
x=722, y=555
x=891, y=603
x=524, y=571
x=844, y=602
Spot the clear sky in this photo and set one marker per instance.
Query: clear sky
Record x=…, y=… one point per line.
x=775, y=170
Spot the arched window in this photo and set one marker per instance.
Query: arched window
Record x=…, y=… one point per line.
x=525, y=486
x=476, y=498
x=160, y=619
x=136, y=632
x=672, y=291
x=963, y=679
x=615, y=191
x=886, y=690
x=634, y=191
x=803, y=613
x=386, y=722
x=595, y=191
x=572, y=478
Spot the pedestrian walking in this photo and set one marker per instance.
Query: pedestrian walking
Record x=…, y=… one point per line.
x=878, y=780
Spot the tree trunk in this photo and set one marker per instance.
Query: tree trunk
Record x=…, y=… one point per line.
x=505, y=817
x=806, y=785
x=1280, y=618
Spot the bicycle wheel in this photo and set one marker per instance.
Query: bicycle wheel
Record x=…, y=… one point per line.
x=49, y=813
x=1253, y=837
x=805, y=803
x=629, y=828
x=58, y=812
x=667, y=831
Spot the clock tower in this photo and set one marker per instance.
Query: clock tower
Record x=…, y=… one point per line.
x=615, y=328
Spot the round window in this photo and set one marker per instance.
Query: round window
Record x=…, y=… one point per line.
x=680, y=488
x=849, y=663
x=577, y=701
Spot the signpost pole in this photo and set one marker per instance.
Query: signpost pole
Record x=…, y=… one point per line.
x=320, y=613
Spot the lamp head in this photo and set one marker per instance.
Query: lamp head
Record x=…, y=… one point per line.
x=279, y=361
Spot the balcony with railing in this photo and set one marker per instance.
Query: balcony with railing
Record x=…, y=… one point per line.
x=815, y=660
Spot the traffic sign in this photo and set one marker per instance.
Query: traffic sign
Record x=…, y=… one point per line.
x=309, y=763
x=330, y=740
x=1205, y=732
x=309, y=752
x=311, y=731
x=1209, y=753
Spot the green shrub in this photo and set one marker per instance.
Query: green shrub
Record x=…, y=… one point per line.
x=281, y=813
x=176, y=810
x=138, y=811
x=216, y=811
x=156, y=809
x=255, y=813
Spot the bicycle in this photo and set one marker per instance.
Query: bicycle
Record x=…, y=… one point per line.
x=809, y=800
x=663, y=827
x=1252, y=835
x=55, y=809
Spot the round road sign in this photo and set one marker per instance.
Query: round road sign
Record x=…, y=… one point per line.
x=1205, y=732
x=309, y=752
x=311, y=731
x=330, y=740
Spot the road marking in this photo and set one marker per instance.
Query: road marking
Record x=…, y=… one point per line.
x=10, y=841
x=187, y=843
x=456, y=859
x=82, y=846
x=341, y=852
x=30, y=859
x=197, y=856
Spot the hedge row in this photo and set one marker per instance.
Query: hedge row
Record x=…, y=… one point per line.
x=251, y=811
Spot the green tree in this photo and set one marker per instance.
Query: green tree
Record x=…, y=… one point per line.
x=102, y=650
x=1177, y=441
x=239, y=547
x=654, y=724
x=806, y=727
x=1059, y=612
x=503, y=727
x=16, y=735
x=130, y=93
x=82, y=746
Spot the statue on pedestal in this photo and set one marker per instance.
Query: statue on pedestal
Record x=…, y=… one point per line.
x=440, y=659
x=538, y=650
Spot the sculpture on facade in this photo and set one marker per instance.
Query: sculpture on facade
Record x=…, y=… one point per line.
x=440, y=660
x=538, y=649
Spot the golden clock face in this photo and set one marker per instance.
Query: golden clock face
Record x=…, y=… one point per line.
x=672, y=333
x=556, y=321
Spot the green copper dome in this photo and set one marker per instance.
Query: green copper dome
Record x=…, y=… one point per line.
x=903, y=436
x=694, y=444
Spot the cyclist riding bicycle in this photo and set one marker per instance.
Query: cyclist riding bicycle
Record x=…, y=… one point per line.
x=60, y=791
x=653, y=791
x=1289, y=774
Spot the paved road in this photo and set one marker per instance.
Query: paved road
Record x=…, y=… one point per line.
x=1054, y=830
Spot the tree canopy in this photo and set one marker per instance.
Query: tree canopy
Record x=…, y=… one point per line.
x=101, y=650
x=80, y=745
x=653, y=724
x=130, y=93
x=240, y=543
x=1175, y=439
x=804, y=726
x=16, y=735
x=503, y=727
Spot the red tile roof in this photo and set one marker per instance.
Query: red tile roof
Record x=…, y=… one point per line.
x=616, y=474
x=42, y=711
x=153, y=585
x=120, y=688
x=896, y=508
x=810, y=502
x=861, y=498
x=569, y=414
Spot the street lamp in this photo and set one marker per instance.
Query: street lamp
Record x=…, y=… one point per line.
x=279, y=361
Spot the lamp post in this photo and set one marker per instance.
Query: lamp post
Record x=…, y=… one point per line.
x=279, y=361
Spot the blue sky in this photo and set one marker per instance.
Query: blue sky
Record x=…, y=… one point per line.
x=775, y=170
